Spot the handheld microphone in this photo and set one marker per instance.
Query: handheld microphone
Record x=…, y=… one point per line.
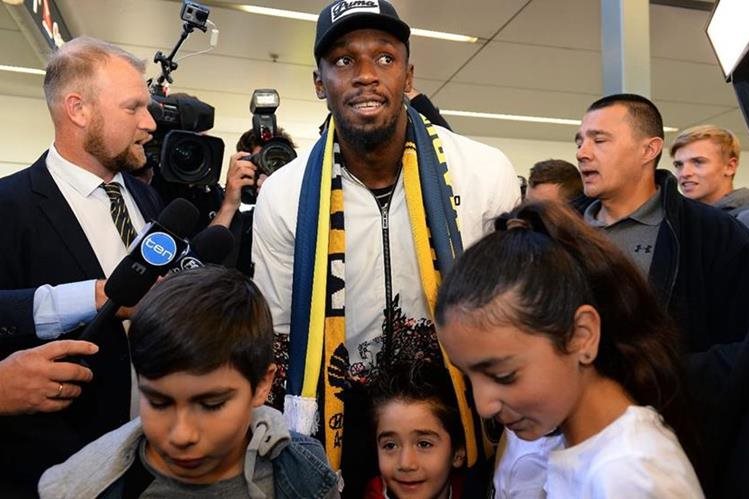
x=211, y=245
x=156, y=246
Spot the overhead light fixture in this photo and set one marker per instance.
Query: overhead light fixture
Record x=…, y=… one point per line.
x=527, y=119
x=13, y=2
x=306, y=16
x=443, y=35
x=21, y=69
x=510, y=117
x=267, y=11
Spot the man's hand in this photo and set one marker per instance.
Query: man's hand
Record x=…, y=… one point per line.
x=241, y=174
x=100, y=298
x=32, y=381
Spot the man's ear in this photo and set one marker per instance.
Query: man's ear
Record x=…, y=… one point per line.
x=409, y=79
x=263, y=386
x=75, y=108
x=586, y=335
x=319, y=88
x=729, y=170
x=653, y=147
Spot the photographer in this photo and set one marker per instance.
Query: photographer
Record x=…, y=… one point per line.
x=243, y=175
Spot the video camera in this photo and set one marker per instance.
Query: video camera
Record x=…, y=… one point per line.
x=275, y=151
x=180, y=152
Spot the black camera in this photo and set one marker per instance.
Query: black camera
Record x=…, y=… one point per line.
x=195, y=15
x=181, y=154
x=275, y=151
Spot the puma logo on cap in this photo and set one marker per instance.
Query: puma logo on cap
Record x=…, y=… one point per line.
x=344, y=8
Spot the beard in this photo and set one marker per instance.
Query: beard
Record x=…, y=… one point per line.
x=363, y=139
x=94, y=144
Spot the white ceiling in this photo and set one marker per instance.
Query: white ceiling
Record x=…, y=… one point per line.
x=534, y=57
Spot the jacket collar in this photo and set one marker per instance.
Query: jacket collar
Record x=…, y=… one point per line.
x=670, y=198
x=664, y=268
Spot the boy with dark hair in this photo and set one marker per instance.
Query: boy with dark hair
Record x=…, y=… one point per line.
x=201, y=344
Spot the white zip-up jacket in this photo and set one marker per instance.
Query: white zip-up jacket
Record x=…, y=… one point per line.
x=484, y=184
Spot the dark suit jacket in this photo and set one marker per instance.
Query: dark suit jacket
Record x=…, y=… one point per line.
x=43, y=243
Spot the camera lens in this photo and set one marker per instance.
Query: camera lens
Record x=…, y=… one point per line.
x=188, y=159
x=275, y=155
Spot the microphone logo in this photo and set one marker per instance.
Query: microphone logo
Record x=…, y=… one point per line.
x=158, y=249
x=190, y=262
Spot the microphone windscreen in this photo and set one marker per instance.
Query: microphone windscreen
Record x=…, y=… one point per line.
x=180, y=217
x=128, y=282
x=213, y=244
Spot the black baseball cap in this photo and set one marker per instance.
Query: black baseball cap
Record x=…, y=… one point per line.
x=344, y=16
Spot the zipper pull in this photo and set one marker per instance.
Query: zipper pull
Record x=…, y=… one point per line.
x=385, y=222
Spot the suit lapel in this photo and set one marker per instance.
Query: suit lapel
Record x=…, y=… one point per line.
x=55, y=208
x=144, y=197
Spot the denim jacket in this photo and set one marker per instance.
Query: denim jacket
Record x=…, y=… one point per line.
x=300, y=468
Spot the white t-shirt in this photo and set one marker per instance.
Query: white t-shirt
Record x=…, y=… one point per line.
x=521, y=472
x=636, y=456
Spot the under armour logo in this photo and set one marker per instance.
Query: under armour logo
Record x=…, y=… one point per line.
x=643, y=249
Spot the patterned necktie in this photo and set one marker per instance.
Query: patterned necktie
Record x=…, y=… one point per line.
x=120, y=216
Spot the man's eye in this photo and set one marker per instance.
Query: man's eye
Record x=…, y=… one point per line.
x=385, y=59
x=343, y=61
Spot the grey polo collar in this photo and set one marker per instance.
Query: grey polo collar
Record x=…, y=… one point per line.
x=649, y=213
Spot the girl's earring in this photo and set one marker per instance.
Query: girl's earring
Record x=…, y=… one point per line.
x=458, y=458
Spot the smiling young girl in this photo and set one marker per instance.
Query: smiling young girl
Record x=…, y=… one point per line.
x=418, y=433
x=556, y=329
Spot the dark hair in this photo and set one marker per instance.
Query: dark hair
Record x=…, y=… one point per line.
x=559, y=172
x=248, y=141
x=552, y=263
x=199, y=320
x=420, y=381
x=645, y=118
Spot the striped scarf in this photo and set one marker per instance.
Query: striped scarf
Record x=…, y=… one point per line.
x=317, y=334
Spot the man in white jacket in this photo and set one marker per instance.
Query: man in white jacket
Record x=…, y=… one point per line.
x=363, y=72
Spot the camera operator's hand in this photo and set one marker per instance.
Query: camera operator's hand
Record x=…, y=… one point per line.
x=241, y=174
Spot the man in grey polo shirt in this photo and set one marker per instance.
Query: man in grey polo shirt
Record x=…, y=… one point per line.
x=696, y=257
